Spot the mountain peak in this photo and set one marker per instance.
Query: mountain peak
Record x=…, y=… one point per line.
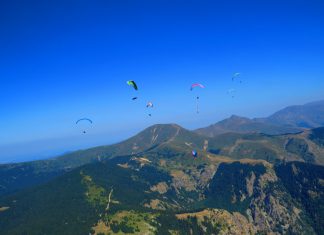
x=238, y=118
x=234, y=116
x=234, y=120
x=166, y=125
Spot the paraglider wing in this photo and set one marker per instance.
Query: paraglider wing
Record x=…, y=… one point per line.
x=84, y=119
x=235, y=75
x=149, y=105
x=133, y=84
x=194, y=153
x=196, y=85
x=134, y=98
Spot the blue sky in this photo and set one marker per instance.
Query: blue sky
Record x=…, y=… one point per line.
x=62, y=60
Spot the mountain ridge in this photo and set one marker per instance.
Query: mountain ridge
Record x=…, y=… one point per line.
x=291, y=119
x=237, y=124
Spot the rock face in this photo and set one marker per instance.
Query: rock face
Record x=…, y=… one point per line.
x=259, y=194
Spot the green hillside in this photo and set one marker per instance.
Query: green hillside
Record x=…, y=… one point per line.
x=141, y=195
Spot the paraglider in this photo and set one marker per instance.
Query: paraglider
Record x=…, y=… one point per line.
x=236, y=76
x=196, y=85
x=149, y=105
x=132, y=84
x=193, y=86
x=194, y=153
x=231, y=92
x=84, y=120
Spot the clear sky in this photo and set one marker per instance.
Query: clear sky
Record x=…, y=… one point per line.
x=63, y=60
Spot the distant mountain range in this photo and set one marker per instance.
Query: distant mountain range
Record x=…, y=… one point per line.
x=292, y=119
x=236, y=124
x=242, y=180
x=310, y=115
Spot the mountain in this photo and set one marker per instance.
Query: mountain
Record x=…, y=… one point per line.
x=151, y=184
x=310, y=115
x=144, y=195
x=165, y=141
x=292, y=119
x=238, y=124
x=14, y=177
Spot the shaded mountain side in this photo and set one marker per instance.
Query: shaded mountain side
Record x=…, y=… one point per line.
x=317, y=136
x=14, y=177
x=257, y=191
x=218, y=196
x=310, y=115
x=305, y=184
x=238, y=124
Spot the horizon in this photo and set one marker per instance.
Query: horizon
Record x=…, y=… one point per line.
x=57, y=150
x=65, y=61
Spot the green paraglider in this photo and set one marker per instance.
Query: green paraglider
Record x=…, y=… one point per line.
x=132, y=84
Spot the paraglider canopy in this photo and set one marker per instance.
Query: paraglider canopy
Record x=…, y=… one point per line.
x=193, y=86
x=134, y=98
x=236, y=76
x=149, y=105
x=84, y=119
x=194, y=153
x=196, y=85
x=133, y=84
